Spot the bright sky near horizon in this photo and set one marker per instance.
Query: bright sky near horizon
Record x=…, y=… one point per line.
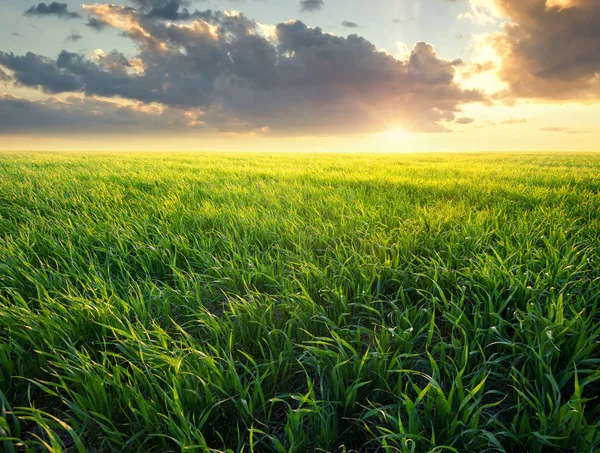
x=300, y=75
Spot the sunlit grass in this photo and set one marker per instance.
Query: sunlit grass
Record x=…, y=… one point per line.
x=289, y=303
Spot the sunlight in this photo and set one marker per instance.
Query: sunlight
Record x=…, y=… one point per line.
x=395, y=135
x=559, y=3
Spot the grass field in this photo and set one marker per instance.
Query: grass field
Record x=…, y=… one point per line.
x=299, y=303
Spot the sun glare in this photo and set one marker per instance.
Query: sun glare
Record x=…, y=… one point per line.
x=394, y=135
x=559, y=3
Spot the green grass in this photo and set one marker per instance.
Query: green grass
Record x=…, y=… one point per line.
x=298, y=303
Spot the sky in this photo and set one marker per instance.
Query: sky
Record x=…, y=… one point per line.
x=300, y=75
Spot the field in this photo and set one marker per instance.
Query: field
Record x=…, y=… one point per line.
x=299, y=303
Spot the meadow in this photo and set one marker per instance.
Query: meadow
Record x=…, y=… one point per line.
x=299, y=303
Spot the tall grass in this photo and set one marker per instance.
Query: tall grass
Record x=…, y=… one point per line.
x=297, y=303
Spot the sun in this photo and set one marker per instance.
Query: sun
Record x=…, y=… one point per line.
x=394, y=135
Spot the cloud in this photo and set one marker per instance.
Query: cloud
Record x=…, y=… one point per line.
x=89, y=115
x=553, y=129
x=150, y=5
x=52, y=9
x=4, y=77
x=348, y=24
x=73, y=37
x=482, y=12
x=549, y=50
x=173, y=10
x=96, y=24
x=311, y=5
x=464, y=120
x=239, y=75
x=398, y=20
x=474, y=69
x=514, y=121
x=39, y=72
x=565, y=130
x=18, y=35
x=485, y=124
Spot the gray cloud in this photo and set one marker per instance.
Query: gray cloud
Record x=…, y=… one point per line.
x=164, y=9
x=4, y=77
x=311, y=5
x=474, y=69
x=150, y=5
x=52, y=9
x=464, y=120
x=550, y=52
x=348, y=24
x=39, y=72
x=399, y=21
x=96, y=24
x=171, y=10
x=18, y=35
x=73, y=37
x=238, y=76
x=75, y=115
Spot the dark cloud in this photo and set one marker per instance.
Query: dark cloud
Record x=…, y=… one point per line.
x=96, y=24
x=464, y=120
x=150, y=5
x=111, y=76
x=4, y=77
x=173, y=10
x=36, y=28
x=73, y=37
x=52, y=9
x=550, y=52
x=236, y=74
x=349, y=24
x=18, y=35
x=39, y=72
x=311, y=5
x=75, y=115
